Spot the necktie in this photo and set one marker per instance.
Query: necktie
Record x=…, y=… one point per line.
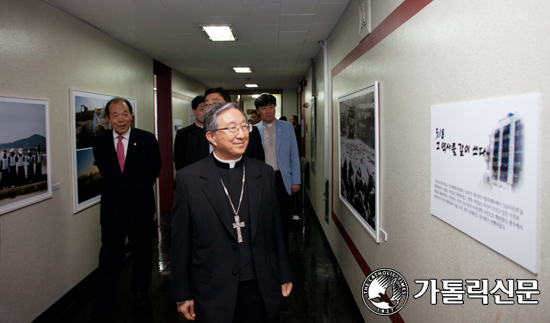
x=120, y=153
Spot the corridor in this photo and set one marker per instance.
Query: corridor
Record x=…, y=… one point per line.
x=320, y=293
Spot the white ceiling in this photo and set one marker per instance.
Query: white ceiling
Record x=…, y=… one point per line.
x=276, y=38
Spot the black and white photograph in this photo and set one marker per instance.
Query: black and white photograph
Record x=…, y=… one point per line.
x=24, y=158
x=90, y=120
x=359, y=158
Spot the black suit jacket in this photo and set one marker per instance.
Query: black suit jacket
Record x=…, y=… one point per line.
x=198, y=148
x=179, y=145
x=298, y=132
x=133, y=188
x=204, y=252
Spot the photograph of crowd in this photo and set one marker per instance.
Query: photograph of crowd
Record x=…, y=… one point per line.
x=90, y=120
x=23, y=150
x=358, y=165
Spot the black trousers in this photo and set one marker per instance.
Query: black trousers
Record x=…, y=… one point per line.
x=250, y=304
x=5, y=178
x=112, y=253
x=38, y=172
x=284, y=206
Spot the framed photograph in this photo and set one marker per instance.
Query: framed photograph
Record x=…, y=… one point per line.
x=88, y=120
x=360, y=157
x=24, y=143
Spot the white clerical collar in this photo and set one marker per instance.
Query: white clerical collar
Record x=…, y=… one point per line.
x=198, y=125
x=269, y=124
x=230, y=162
x=125, y=135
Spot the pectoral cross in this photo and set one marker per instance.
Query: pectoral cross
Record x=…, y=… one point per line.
x=238, y=225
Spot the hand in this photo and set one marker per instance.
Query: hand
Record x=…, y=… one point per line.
x=187, y=309
x=286, y=289
x=295, y=188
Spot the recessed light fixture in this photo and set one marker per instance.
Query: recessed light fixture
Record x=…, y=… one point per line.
x=219, y=33
x=242, y=69
x=251, y=85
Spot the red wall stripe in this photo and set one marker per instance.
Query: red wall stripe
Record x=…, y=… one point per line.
x=398, y=17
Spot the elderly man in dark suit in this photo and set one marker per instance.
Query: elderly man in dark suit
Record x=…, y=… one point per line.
x=198, y=147
x=297, y=128
x=229, y=261
x=129, y=162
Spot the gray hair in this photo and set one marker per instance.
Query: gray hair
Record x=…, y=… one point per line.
x=211, y=121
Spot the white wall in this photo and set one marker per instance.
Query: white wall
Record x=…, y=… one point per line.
x=45, y=249
x=248, y=105
x=316, y=180
x=290, y=103
x=185, y=91
x=450, y=51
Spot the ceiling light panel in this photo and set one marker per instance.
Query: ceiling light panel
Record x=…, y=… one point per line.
x=219, y=33
x=242, y=69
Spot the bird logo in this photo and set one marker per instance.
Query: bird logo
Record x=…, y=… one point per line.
x=385, y=291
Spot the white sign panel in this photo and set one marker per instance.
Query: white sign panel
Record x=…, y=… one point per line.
x=484, y=172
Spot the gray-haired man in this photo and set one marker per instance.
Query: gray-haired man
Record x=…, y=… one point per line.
x=229, y=262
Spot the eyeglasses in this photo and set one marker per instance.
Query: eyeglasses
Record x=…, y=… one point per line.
x=235, y=129
x=208, y=105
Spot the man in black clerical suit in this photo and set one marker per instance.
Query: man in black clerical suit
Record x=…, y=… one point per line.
x=129, y=162
x=198, y=148
x=295, y=123
x=181, y=135
x=229, y=261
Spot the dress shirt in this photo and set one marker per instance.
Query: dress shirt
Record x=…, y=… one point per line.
x=270, y=145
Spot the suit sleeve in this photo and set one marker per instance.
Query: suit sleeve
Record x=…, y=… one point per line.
x=181, y=244
x=179, y=150
x=259, y=153
x=188, y=158
x=295, y=163
x=282, y=256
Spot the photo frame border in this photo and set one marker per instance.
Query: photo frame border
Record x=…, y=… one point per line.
x=77, y=207
x=374, y=232
x=48, y=193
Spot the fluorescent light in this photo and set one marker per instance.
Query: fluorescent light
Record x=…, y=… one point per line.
x=254, y=96
x=251, y=85
x=242, y=69
x=219, y=33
